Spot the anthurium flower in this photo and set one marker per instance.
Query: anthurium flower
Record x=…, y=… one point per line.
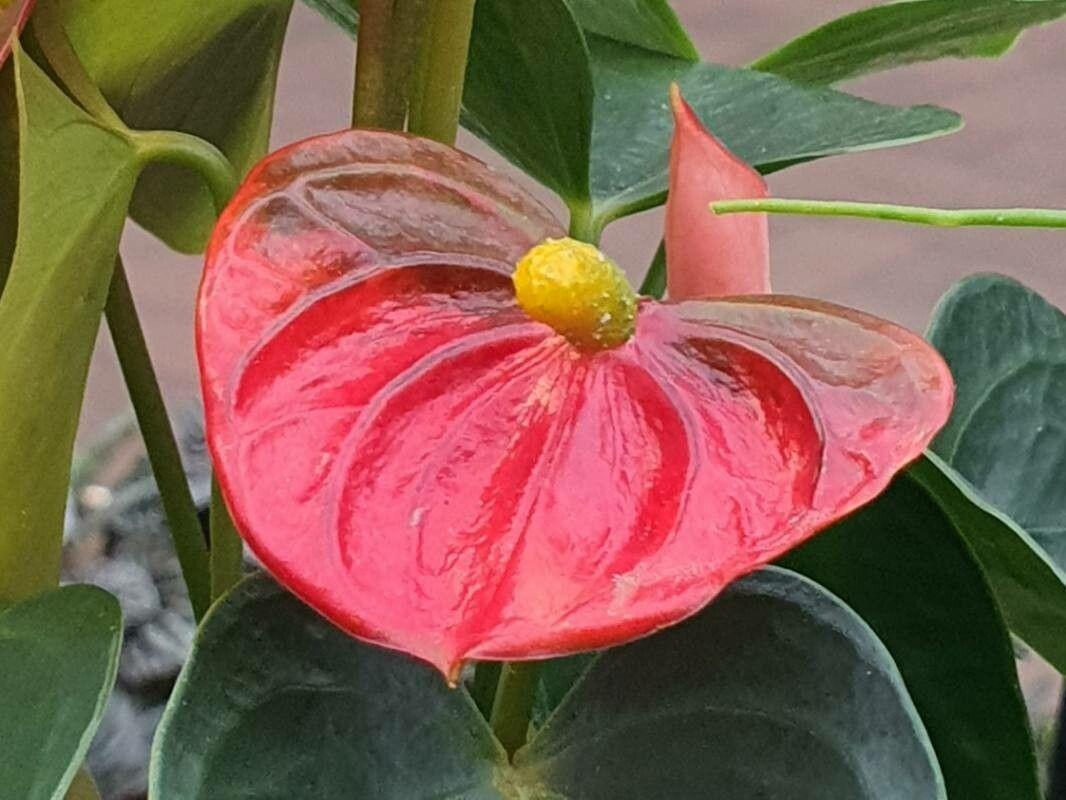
x=13, y=16
x=456, y=433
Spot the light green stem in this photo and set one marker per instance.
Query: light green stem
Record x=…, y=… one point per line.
x=159, y=440
x=512, y=707
x=442, y=70
x=227, y=551
x=191, y=152
x=939, y=217
x=583, y=225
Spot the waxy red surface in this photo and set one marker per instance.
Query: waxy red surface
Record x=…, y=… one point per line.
x=12, y=19
x=435, y=472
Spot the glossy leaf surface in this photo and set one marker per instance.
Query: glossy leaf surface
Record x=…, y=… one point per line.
x=770, y=692
x=50, y=311
x=277, y=703
x=207, y=69
x=13, y=16
x=58, y=659
x=651, y=24
x=529, y=91
x=708, y=255
x=896, y=34
x=436, y=472
x=1006, y=346
x=766, y=121
x=1029, y=586
x=904, y=565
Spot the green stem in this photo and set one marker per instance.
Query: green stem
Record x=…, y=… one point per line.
x=442, y=70
x=227, y=551
x=583, y=225
x=191, y=152
x=159, y=440
x=409, y=22
x=371, y=101
x=513, y=706
x=942, y=218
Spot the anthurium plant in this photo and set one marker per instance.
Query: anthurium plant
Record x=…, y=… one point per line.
x=520, y=529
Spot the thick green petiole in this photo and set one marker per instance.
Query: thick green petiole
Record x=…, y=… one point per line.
x=915, y=215
x=442, y=69
x=162, y=447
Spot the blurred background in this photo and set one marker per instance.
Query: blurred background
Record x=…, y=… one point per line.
x=1012, y=152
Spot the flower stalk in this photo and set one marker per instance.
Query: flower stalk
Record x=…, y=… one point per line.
x=163, y=454
x=916, y=215
x=513, y=705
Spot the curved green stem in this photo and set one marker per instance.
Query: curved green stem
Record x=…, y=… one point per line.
x=442, y=70
x=227, y=551
x=191, y=152
x=939, y=217
x=512, y=707
x=159, y=440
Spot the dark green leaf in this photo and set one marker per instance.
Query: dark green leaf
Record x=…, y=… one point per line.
x=529, y=91
x=654, y=284
x=555, y=678
x=207, y=69
x=58, y=658
x=1006, y=347
x=776, y=690
x=277, y=703
x=896, y=34
x=76, y=181
x=650, y=24
x=1030, y=587
x=904, y=566
x=765, y=120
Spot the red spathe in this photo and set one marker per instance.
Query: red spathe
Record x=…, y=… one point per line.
x=435, y=472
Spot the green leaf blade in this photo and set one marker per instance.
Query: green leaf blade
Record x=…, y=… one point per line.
x=650, y=24
x=1030, y=587
x=1006, y=347
x=76, y=178
x=767, y=693
x=903, y=565
x=897, y=34
x=529, y=91
x=58, y=660
x=768, y=122
x=276, y=702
